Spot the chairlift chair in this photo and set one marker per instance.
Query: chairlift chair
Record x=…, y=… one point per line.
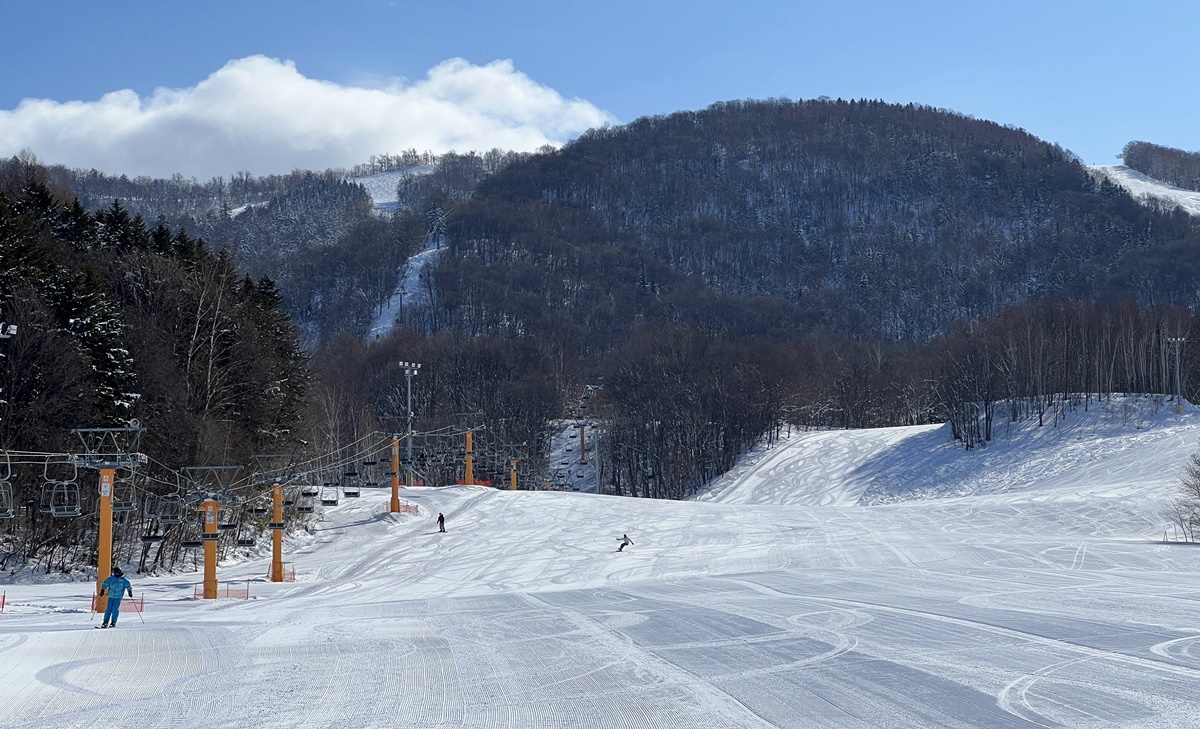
x=305, y=506
x=329, y=494
x=169, y=510
x=65, y=500
x=245, y=541
x=124, y=494
x=6, y=500
x=7, y=507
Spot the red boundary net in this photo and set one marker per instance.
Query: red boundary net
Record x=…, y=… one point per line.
x=128, y=604
x=289, y=573
x=228, y=591
x=408, y=508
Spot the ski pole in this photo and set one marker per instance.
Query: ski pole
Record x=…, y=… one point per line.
x=139, y=612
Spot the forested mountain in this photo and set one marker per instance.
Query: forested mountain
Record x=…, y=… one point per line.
x=864, y=217
x=1166, y=164
x=717, y=274
x=121, y=321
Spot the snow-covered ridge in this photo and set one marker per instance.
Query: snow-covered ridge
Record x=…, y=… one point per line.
x=1143, y=188
x=1096, y=446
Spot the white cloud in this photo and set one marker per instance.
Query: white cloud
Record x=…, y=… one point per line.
x=261, y=115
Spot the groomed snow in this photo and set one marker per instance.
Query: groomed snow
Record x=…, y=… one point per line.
x=1042, y=595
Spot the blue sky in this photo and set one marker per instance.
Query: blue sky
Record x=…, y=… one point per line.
x=1087, y=75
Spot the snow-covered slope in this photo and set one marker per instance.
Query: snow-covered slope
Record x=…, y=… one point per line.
x=1042, y=595
x=410, y=290
x=382, y=186
x=1143, y=187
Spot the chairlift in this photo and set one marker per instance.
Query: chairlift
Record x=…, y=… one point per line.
x=230, y=524
x=245, y=541
x=169, y=510
x=191, y=543
x=151, y=538
x=124, y=495
x=305, y=507
x=351, y=487
x=7, y=507
x=60, y=498
x=6, y=501
x=309, y=490
x=369, y=464
x=329, y=494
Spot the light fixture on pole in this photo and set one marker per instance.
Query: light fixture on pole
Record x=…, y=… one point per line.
x=1178, y=344
x=411, y=369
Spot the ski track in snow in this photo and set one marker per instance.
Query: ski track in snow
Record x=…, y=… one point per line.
x=865, y=579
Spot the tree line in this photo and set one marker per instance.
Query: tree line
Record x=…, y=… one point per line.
x=1167, y=164
x=119, y=321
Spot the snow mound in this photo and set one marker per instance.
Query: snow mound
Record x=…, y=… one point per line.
x=1095, y=448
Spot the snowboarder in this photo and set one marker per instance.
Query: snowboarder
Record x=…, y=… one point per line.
x=625, y=542
x=441, y=522
x=115, y=588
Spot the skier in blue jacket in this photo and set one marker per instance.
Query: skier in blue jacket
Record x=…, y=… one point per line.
x=115, y=588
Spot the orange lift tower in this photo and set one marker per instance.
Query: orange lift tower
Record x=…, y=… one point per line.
x=106, y=450
x=469, y=476
x=210, y=508
x=276, y=469
x=277, y=526
x=213, y=480
x=394, y=506
x=512, y=474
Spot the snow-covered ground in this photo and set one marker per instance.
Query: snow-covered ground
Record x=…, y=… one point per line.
x=1143, y=187
x=1041, y=595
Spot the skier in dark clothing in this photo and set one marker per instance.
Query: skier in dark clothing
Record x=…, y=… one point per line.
x=441, y=523
x=625, y=542
x=115, y=588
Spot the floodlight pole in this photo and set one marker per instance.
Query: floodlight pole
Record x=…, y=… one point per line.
x=410, y=371
x=1178, y=343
